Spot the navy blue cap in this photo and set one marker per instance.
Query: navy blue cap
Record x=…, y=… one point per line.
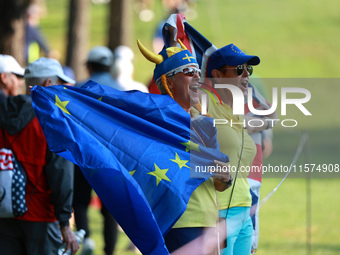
x=230, y=55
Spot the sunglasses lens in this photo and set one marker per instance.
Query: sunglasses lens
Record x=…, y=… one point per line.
x=191, y=71
x=239, y=70
x=250, y=70
x=188, y=71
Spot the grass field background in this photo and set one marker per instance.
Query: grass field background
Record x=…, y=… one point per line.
x=294, y=39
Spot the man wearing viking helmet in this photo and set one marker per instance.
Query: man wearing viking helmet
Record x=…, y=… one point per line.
x=177, y=74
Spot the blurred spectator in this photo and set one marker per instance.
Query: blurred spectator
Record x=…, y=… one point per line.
x=146, y=13
x=35, y=43
x=98, y=64
x=122, y=69
x=11, y=77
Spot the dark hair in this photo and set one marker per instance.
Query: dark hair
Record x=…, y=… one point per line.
x=98, y=67
x=222, y=69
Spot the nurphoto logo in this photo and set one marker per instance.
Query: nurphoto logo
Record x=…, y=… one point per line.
x=239, y=103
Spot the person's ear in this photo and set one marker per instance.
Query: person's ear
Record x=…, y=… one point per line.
x=216, y=73
x=3, y=78
x=170, y=84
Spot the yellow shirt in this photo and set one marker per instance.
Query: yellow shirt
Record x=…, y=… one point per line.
x=202, y=208
x=230, y=141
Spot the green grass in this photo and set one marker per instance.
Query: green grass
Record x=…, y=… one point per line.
x=283, y=226
x=283, y=218
x=294, y=39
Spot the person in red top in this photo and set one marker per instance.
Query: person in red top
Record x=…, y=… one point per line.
x=45, y=225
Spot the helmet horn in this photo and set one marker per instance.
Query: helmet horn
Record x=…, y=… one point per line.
x=149, y=55
x=182, y=45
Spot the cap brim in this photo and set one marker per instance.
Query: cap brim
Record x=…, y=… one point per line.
x=249, y=59
x=254, y=60
x=67, y=79
x=19, y=72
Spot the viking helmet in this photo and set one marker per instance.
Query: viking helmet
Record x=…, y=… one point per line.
x=168, y=59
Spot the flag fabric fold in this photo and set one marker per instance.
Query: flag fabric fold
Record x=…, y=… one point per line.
x=133, y=148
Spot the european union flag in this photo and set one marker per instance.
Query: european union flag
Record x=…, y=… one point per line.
x=133, y=148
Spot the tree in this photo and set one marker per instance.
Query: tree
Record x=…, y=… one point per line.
x=120, y=23
x=77, y=36
x=12, y=28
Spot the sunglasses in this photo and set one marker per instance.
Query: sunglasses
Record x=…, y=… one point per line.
x=240, y=69
x=189, y=71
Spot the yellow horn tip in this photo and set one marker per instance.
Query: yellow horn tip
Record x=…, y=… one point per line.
x=182, y=45
x=149, y=55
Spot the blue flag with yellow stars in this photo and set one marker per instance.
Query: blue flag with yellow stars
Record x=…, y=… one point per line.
x=132, y=147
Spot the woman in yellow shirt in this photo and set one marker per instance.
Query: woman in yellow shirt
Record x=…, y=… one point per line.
x=229, y=65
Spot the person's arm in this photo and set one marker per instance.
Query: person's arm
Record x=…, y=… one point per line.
x=267, y=144
x=59, y=174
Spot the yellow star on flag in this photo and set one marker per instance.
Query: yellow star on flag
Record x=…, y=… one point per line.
x=181, y=162
x=61, y=104
x=160, y=174
x=191, y=146
x=132, y=172
x=100, y=99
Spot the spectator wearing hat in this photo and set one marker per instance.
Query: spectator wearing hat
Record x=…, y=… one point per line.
x=98, y=64
x=122, y=69
x=177, y=74
x=46, y=72
x=11, y=77
x=45, y=225
x=229, y=65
